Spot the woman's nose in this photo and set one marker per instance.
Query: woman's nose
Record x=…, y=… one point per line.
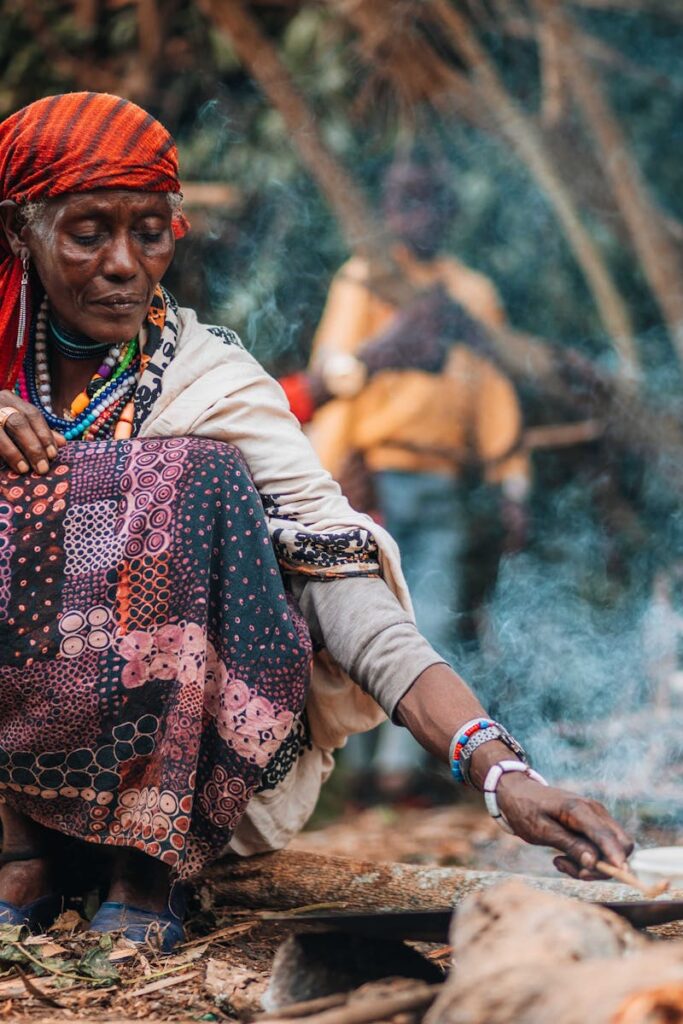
x=120, y=262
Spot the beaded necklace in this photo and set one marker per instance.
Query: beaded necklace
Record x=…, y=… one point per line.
x=104, y=408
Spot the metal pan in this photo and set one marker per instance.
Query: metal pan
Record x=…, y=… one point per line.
x=434, y=925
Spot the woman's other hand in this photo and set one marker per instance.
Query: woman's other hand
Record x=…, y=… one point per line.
x=26, y=441
x=581, y=829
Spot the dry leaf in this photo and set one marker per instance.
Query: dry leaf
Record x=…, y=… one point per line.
x=46, y=947
x=69, y=922
x=234, y=988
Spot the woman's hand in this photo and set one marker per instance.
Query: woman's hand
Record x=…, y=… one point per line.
x=26, y=440
x=582, y=829
x=435, y=707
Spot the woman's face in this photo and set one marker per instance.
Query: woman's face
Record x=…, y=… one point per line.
x=100, y=255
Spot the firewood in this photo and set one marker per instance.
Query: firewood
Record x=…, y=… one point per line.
x=366, y=1011
x=291, y=879
x=527, y=957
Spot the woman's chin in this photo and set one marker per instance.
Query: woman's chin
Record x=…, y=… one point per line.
x=111, y=327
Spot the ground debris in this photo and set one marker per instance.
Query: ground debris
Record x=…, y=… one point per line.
x=235, y=990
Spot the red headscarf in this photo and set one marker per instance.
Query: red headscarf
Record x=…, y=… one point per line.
x=76, y=142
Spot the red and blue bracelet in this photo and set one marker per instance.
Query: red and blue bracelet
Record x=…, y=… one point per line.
x=472, y=735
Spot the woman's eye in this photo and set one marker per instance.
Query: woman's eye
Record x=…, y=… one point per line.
x=150, y=237
x=86, y=239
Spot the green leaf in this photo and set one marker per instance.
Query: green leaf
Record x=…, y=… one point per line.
x=96, y=965
x=12, y=933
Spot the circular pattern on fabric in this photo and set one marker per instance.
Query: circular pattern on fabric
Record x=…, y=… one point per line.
x=163, y=686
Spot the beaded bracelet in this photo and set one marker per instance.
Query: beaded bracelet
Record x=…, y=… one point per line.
x=493, y=777
x=471, y=736
x=460, y=740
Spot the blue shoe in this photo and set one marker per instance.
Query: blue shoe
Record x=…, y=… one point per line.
x=163, y=931
x=37, y=915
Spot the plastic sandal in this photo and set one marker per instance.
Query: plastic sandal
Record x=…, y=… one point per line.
x=38, y=914
x=162, y=930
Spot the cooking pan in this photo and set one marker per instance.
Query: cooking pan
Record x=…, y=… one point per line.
x=434, y=925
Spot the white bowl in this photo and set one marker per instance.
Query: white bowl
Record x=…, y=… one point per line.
x=658, y=863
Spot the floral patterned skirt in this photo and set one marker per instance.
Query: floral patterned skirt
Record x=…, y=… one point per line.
x=153, y=670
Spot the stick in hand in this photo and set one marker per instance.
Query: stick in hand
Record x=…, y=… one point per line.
x=624, y=875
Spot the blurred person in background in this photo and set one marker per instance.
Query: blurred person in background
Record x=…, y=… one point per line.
x=402, y=445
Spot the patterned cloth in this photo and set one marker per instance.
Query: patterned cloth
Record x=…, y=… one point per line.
x=153, y=671
x=75, y=142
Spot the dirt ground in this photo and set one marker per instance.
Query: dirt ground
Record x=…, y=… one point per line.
x=223, y=970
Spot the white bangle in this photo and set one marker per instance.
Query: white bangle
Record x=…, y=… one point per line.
x=493, y=777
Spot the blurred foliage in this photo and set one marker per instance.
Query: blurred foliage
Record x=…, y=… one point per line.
x=265, y=267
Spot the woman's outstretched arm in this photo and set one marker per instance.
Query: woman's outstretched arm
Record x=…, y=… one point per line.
x=368, y=633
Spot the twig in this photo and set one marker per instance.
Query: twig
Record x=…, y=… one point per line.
x=158, y=974
x=221, y=933
x=41, y=963
x=306, y=1008
x=36, y=992
x=157, y=986
x=365, y=1011
x=624, y=875
x=308, y=908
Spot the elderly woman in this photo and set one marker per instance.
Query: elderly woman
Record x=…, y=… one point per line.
x=168, y=547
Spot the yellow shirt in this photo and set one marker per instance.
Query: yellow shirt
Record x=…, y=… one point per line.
x=411, y=420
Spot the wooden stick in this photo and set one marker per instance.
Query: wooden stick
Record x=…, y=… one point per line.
x=365, y=1011
x=626, y=876
x=305, y=1008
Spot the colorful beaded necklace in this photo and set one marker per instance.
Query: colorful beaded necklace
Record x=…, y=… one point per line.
x=105, y=407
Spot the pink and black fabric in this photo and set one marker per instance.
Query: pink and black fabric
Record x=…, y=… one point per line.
x=153, y=670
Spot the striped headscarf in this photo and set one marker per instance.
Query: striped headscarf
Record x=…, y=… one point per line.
x=75, y=142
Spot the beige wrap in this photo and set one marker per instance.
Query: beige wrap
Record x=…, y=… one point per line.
x=218, y=391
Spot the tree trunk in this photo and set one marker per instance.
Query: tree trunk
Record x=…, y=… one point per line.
x=261, y=58
x=290, y=879
x=659, y=256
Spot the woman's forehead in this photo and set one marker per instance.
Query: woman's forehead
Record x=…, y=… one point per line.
x=109, y=201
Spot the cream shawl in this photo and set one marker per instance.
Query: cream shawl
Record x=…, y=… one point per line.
x=213, y=388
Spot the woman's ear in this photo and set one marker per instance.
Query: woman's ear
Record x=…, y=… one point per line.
x=11, y=228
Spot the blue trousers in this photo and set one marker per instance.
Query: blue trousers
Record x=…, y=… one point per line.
x=424, y=513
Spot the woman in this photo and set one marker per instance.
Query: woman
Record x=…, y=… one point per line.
x=154, y=668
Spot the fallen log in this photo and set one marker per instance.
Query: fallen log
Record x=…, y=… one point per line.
x=292, y=879
x=526, y=957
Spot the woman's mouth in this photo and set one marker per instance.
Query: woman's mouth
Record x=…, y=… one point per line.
x=120, y=304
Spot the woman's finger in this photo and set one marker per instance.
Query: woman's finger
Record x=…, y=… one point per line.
x=11, y=456
x=592, y=820
x=566, y=866
x=42, y=431
x=577, y=848
x=20, y=430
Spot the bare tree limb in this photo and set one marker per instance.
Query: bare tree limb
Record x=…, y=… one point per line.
x=660, y=258
x=260, y=56
x=527, y=142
